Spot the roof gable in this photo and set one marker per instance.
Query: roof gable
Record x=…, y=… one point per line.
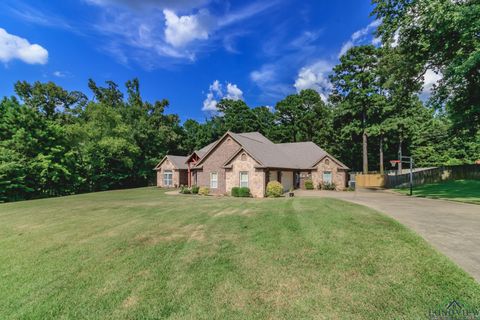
x=179, y=162
x=297, y=155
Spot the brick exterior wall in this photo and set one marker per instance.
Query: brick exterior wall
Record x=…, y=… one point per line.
x=214, y=163
x=167, y=165
x=256, y=177
x=339, y=176
x=179, y=177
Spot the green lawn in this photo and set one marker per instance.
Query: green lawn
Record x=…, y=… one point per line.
x=140, y=254
x=458, y=190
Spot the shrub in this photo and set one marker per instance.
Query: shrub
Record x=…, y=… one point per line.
x=204, y=191
x=328, y=186
x=185, y=190
x=309, y=184
x=241, y=192
x=274, y=189
x=244, y=192
x=195, y=189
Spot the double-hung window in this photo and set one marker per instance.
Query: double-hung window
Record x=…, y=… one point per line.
x=167, y=178
x=327, y=177
x=214, y=180
x=244, y=179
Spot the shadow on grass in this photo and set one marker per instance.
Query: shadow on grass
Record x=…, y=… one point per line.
x=458, y=190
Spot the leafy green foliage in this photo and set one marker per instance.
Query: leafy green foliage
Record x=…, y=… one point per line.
x=327, y=186
x=240, y=192
x=309, y=184
x=438, y=36
x=195, y=189
x=204, y=191
x=274, y=189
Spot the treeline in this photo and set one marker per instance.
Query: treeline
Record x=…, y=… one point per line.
x=58, y=142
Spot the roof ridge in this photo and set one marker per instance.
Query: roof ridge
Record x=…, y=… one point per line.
x=243, y=136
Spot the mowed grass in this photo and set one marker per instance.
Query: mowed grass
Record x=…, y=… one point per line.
x=141, y=254
x=458, y=190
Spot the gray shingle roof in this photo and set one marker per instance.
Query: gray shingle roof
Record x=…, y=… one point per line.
x=178, y=161
x=299, y=155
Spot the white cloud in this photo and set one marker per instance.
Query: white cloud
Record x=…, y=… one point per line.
x=162, y=33
x=59, y=74
x=210, y=103
x=315, y=77
x=234, y=92
x=148, y=4
x=216, y=93
x=181, y=30
x=430, y=80
x=15, y=47
x=359, y=36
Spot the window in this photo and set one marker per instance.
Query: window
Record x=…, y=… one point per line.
x=327, y=162
x=214, y=180
x=167, y=178
x=244, y=179
x=327, y=176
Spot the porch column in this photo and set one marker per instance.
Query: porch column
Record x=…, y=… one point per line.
x=189, y=174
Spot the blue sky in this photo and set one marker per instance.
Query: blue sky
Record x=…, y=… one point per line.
x=192, y=52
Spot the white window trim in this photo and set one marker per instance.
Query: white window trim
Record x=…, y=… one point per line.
x=240, y=179
x=170, y=173
x=211, y=181
x=331, y=176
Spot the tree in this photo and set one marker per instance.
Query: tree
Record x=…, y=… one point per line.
x=302, y=117
x=357, y=92
x=439, y=36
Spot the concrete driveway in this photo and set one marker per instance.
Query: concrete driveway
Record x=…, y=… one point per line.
x=451, y=227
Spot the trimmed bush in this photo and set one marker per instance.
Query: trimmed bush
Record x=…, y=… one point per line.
x=240, y=192
x=274, y=189
x=328, y=186
x=235, y=191
x=204, y=191
x=244, y=192
x=195, y=189
x=309, y=184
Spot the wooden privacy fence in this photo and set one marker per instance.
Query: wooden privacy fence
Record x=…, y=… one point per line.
x=370, y=180
x=429, y=175
x=433, y=175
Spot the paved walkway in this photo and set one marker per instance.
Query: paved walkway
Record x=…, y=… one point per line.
x=451, y=227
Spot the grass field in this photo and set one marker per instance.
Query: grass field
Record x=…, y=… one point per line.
x=458, y=190
x=140, y=254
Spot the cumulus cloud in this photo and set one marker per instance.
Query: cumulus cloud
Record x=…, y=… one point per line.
x=234, y=92
x=181, y=30
x=15, y=47
x=359, y=36
x=216, y=93
x=315, y=76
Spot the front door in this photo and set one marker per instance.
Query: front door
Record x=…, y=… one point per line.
x=296, y=182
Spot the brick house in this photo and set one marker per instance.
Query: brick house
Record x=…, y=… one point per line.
x=251, y=160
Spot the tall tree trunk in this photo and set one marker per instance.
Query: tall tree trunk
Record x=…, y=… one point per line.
x=400, y=142
x=381, y=154
x=364, y=146
x=364, y=151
